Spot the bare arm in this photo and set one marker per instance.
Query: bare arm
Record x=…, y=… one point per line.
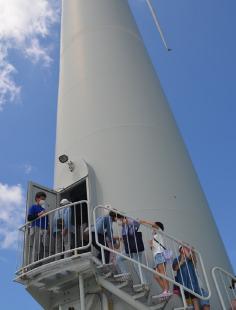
x=178, y=263
x=193, y=257
x=147, y=222
x=41, y=213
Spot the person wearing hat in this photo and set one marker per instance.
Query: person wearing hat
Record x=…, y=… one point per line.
x=62, y=229
x=39, y=234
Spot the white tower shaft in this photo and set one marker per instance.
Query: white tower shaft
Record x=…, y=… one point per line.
x=113, y=114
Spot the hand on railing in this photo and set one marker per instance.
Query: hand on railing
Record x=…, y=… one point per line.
x=41, y=214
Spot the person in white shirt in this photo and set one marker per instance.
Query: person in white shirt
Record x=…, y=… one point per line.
x=63, y=229
x=158, y=247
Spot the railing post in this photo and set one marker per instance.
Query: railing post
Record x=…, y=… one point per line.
x=185, y=306
x=103, y=255
x=140, y=273
x=81, y=291
x=76, y=235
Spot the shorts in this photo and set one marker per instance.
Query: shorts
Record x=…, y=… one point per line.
x=159, y=259
x=204, y=302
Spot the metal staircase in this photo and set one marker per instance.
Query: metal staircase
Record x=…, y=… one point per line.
x=51, y=273
x=131, y=287
x=138, y=296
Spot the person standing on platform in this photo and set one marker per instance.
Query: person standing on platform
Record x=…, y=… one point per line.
x=63, y=230
x=39, y=234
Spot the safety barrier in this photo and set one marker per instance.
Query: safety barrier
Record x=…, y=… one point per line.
x=184, y=269
x=54, y=235
x=225, y=284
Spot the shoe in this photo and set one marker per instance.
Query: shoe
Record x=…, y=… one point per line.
x=163, y=295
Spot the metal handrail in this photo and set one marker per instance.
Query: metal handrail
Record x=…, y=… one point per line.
x=148, y=266
x=34, y=249
x=224, y=284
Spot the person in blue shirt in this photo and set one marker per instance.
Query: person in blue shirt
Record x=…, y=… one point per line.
x=105, y=233
x=129, y=228
x=63, y=230
x=185, y=267
x=39, y=234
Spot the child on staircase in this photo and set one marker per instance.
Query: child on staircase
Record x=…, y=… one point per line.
x=158, y=247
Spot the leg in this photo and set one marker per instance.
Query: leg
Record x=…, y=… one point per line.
x=58, y=244
x=97, y=247
x=45, y=242
x=51, y=245
x=195, y=303
x=162, y=282
x=120, y=262
x=86, y=234
x=139, y=258
x=102, y=241
x=204, y=304
x=67, y=243
x=31, y=246
x=81, y=240
x=36, y=244
x=233, y=304
x=27, y=248
x=162, y=269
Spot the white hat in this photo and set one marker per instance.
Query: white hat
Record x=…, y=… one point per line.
x=64, y=202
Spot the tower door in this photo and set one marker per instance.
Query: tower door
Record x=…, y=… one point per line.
x=52, y=201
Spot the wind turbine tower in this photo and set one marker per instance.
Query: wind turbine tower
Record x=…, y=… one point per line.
x=117, y=131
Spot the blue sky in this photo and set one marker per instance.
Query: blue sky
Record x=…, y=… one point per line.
x=198, y=78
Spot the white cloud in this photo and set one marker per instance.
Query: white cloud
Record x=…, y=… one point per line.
x=8, y=88
x=36, y=53
x=12, y=214
x=24, y=26
x=28, y=168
